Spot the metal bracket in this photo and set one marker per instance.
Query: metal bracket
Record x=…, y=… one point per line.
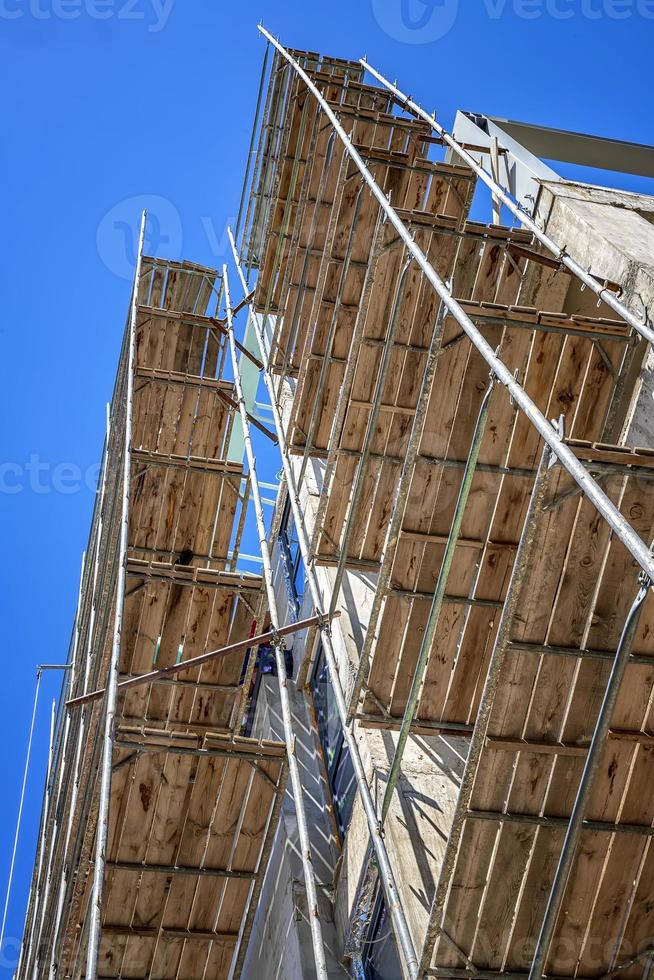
x=559, y=425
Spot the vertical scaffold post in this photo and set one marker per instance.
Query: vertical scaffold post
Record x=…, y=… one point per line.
x=400, y=496
x=77, y=674
x=515, y=588
x=42, y=883
x=19, y=818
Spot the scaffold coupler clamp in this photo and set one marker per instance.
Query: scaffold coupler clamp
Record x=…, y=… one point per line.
x=644, y=580
x=516, y=375
x=559, y=425
x=277, y=640
x=324, y=622
x=492, y=377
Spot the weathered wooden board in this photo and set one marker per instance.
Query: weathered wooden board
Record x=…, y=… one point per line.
x=578, y=591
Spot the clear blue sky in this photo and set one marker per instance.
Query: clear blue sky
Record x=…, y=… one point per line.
x=108, y=103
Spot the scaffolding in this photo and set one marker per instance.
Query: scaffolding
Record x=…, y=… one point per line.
x=415, y=357
x=380, y=305
x=162, y=816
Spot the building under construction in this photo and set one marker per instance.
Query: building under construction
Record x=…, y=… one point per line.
x=417, y=740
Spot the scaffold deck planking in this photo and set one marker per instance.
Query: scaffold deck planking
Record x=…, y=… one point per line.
x=182, y=598
x=564, y=374
x=177, y=813
x=577, y=592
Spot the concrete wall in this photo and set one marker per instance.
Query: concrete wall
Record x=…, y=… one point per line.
x=416, y=828
x=611, y=233
x=280, y=947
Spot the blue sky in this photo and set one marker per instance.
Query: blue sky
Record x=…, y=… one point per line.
x=112, y=104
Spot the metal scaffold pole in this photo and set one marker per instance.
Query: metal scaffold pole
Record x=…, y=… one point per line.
x=644, y=329
x=57, y=812
x=587, y=781
x=20, y=811
x=95, y=908
x=391, y=893
x=546, y=430
x=42, y=884
x=278, y=646
x=173, y=669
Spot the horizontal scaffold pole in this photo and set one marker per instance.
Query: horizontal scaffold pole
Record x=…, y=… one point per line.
x=203, y=658
x=623, y=530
